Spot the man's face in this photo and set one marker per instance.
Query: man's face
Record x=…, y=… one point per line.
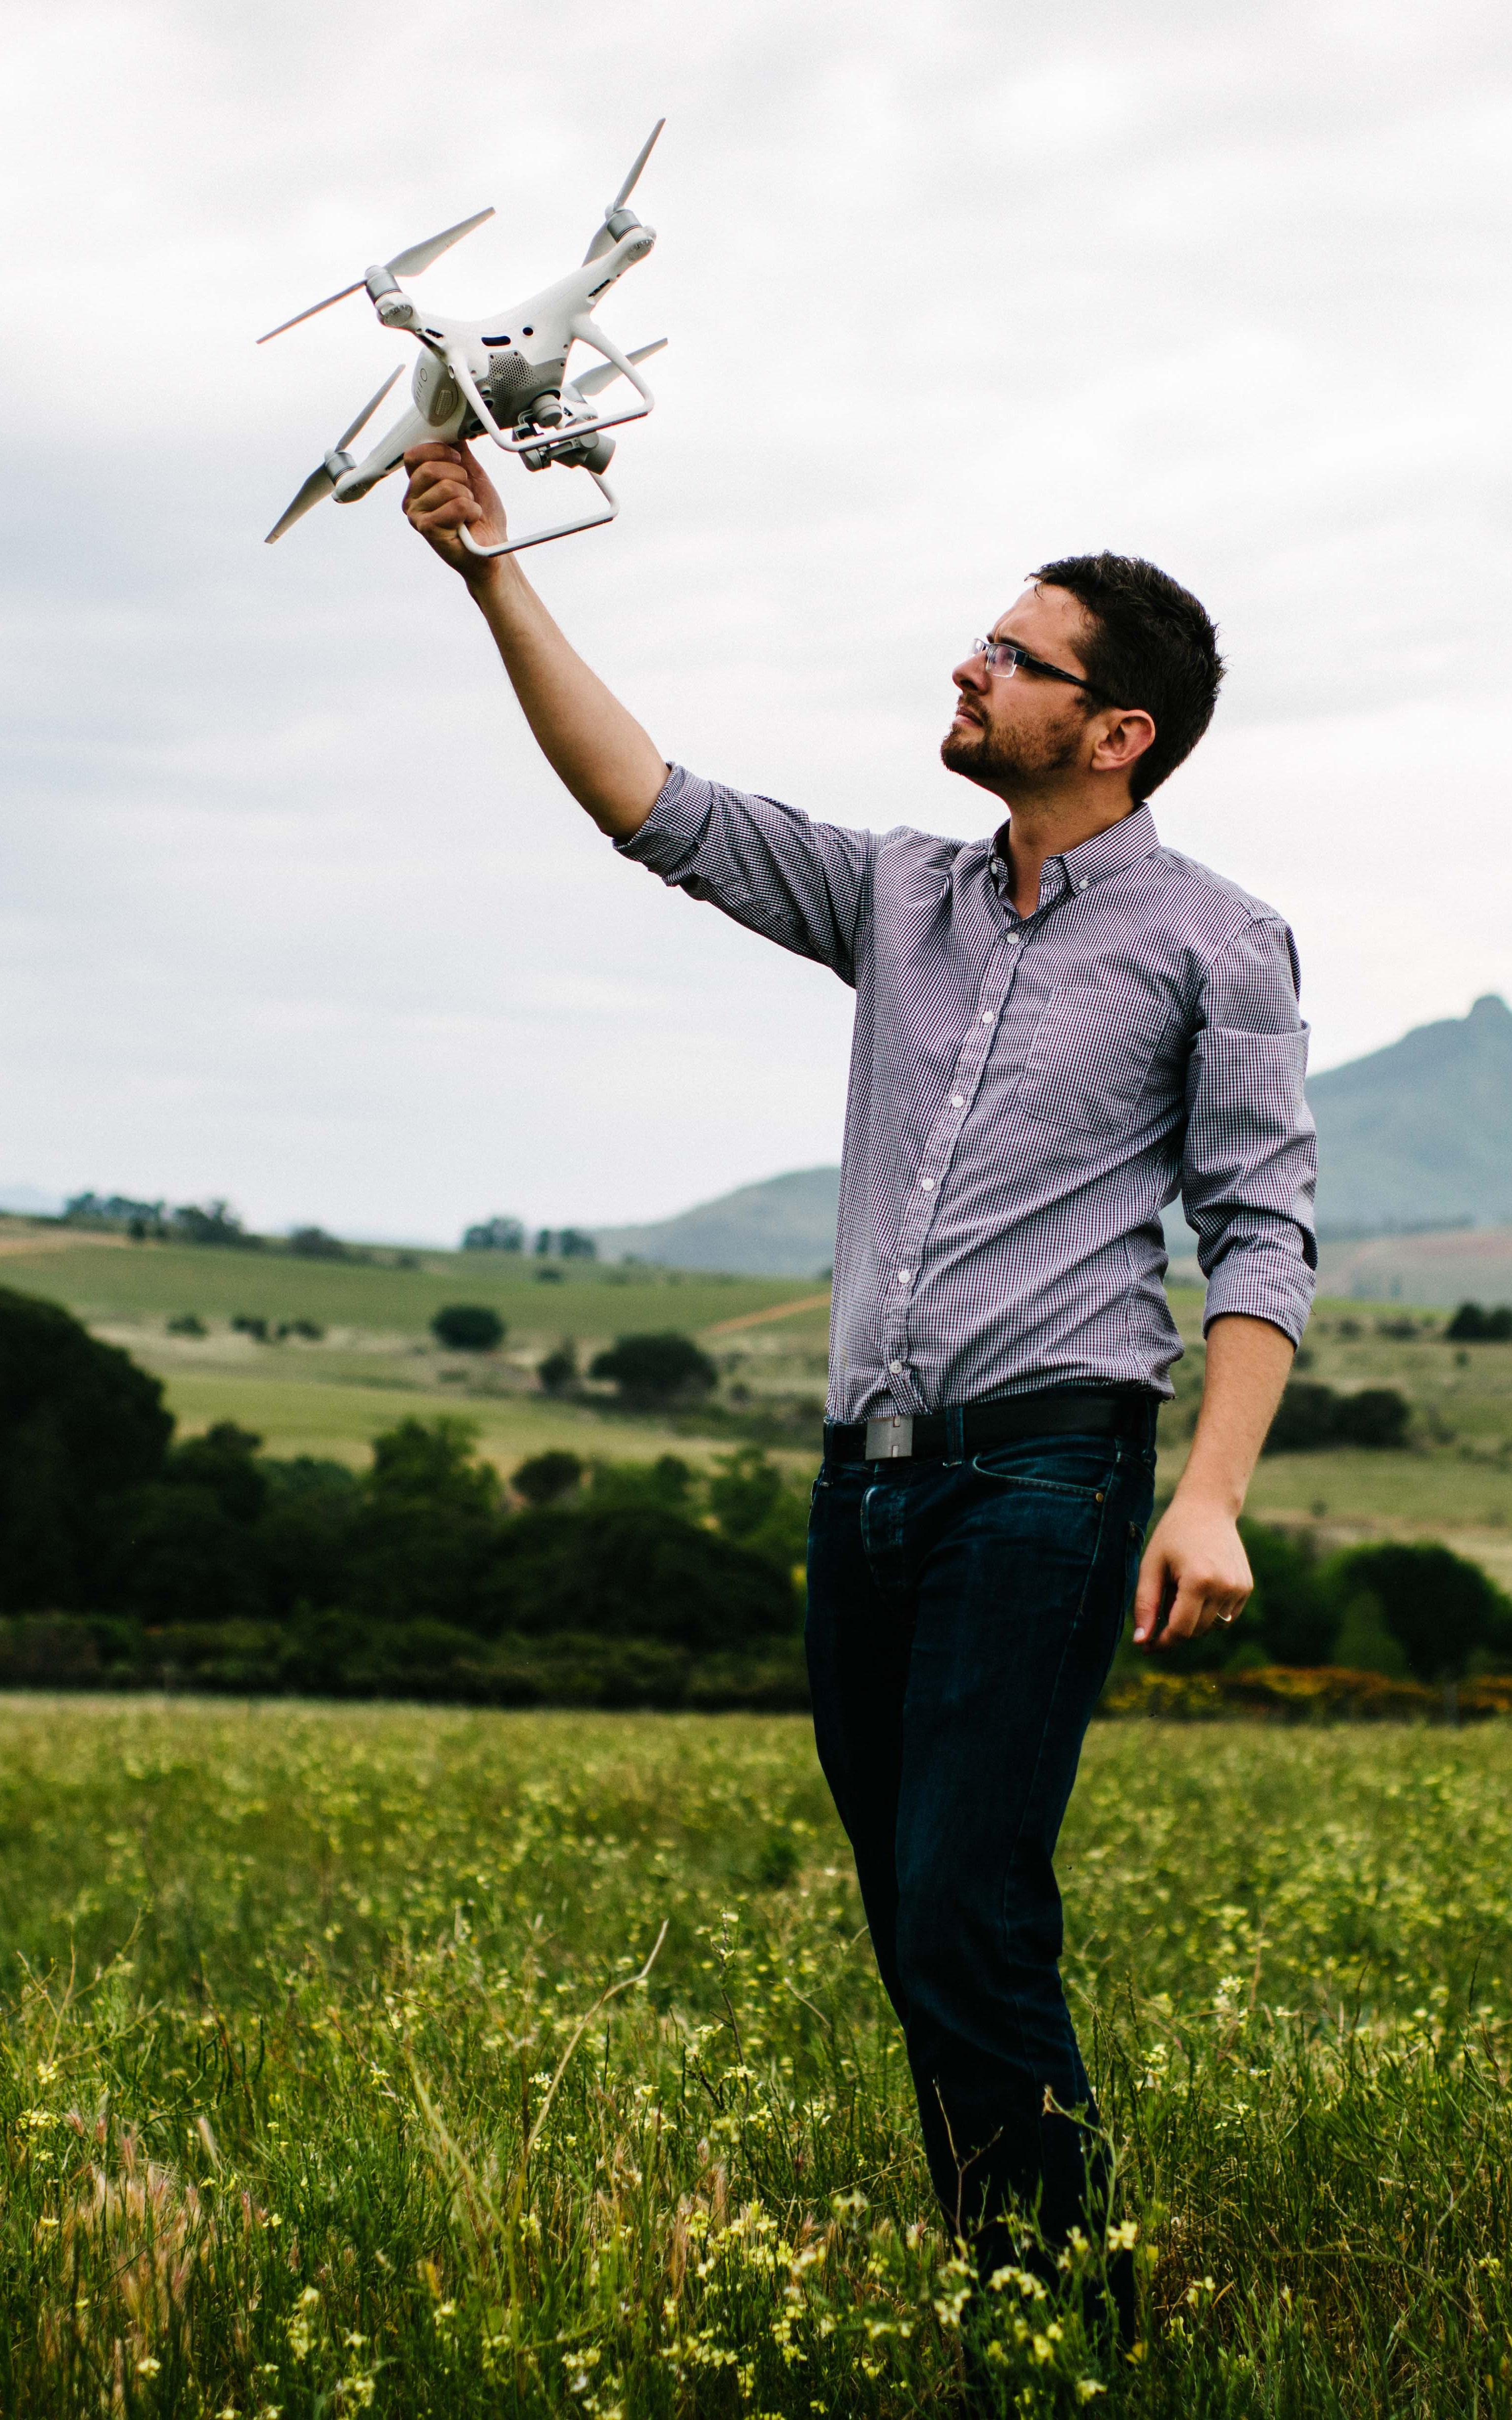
x=1025, y=729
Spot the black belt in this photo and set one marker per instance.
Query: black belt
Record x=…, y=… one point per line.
x=1052, y=1411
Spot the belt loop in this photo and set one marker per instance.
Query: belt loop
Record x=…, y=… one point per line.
x=955, y=1435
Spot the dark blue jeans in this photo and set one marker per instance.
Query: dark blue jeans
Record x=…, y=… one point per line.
x=962, y=1620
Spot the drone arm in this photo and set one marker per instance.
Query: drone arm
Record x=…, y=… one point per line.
x=586, y=328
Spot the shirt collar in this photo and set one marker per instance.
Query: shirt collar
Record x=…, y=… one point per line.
x=1107, y=852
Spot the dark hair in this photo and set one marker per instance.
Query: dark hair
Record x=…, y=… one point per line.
x=1149, y=644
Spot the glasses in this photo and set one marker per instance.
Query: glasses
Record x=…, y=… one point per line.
x=1003, y=658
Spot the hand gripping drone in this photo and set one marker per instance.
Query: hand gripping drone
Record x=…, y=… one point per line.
x=510, y=384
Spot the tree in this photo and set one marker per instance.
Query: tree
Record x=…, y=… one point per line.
x=313, y=1244
x=640, y=1572
x=558, y=1372
x=1439, y=1607
x=225, y=1463
x=573, y=1245
x=467, y=1327
x=427, y=1528
x=216, y=1222
x=1471, y=1325
x=755, y=1503
x=81, y=1427
x=1377, y=1417
x=1311, y=1417
x=658, y=1369
x=495, y=1235
x=549, y=1476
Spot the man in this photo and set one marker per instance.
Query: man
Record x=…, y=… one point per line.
x=1055, y=1028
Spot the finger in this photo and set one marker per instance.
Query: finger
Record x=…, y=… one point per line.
x=1151, y=1593
x=433, y=451
x=445, y=503
x=1185, y=1618
x=434, y=480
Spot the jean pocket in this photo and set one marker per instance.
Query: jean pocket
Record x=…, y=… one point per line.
x=1005, y=1466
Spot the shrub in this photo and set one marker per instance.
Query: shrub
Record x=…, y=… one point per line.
x=1377, y=1417
x=657, y=1369
x=547, y=1476
x=636, y=1570
x=187, y=1323
x=467, y=1327
x=1439, y=1607
x=1306, y=1418
x=1311, y=1417
x=79, y=1427
x=756, y=1504
x=558, y=1372
x=310, y=1330
x=1471, y=1325
x=313, y=1244
x=249, y=1323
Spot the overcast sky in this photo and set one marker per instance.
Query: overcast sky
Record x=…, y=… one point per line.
x=290, y=911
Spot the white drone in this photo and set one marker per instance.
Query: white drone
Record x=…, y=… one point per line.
x=510, y=384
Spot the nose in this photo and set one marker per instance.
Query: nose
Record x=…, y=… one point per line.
x=972, y=674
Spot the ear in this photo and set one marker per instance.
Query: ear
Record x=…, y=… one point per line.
x=1125, y=738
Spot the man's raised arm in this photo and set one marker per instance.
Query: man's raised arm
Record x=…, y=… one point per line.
x=598, y=751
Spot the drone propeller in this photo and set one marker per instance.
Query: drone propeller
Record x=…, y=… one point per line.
x=595, y=381
x=609, y=234
x=320, y=483
x=404, y=264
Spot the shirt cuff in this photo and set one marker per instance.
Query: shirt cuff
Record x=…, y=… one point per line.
x=1262, y=1282
x=669, y=839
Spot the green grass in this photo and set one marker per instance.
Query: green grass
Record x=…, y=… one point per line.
x=340, y=1420
x=107, y=1281
x=313, y=2100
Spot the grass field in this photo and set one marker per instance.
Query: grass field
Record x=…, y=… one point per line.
x=314, y=2100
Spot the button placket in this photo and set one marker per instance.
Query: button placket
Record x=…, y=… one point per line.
x=938, y=1147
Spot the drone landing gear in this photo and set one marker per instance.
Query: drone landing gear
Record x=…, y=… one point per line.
x=563, y=529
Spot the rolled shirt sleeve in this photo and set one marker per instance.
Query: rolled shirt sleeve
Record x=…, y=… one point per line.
x=1250, y=1163
x=802, y=884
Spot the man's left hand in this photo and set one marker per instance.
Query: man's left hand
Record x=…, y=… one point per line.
x=1195, y=1573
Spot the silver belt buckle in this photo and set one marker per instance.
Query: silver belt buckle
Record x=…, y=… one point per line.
x=890, y=1440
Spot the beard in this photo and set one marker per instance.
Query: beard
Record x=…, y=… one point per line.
x=1003, y=760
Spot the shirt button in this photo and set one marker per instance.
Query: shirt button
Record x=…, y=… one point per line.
x=928, y=1183
x=986, y=1016
x=1082, y=884
x=995, y=865
x=904, y=1276
x=895, y=1367
x=958, y=1100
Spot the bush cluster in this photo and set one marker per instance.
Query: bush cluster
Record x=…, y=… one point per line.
x=422, y=1571
x=1471, y=1324
x=1312, y=1417
x=1413, y=1612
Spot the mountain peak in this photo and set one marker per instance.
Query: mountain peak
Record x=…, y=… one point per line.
x=1490, y=1004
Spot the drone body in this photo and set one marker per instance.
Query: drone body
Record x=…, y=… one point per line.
x=504, y=377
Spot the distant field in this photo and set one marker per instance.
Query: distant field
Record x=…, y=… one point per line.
x=378, y=1362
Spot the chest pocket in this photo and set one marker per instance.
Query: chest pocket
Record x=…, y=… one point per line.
x=1095, y=1049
